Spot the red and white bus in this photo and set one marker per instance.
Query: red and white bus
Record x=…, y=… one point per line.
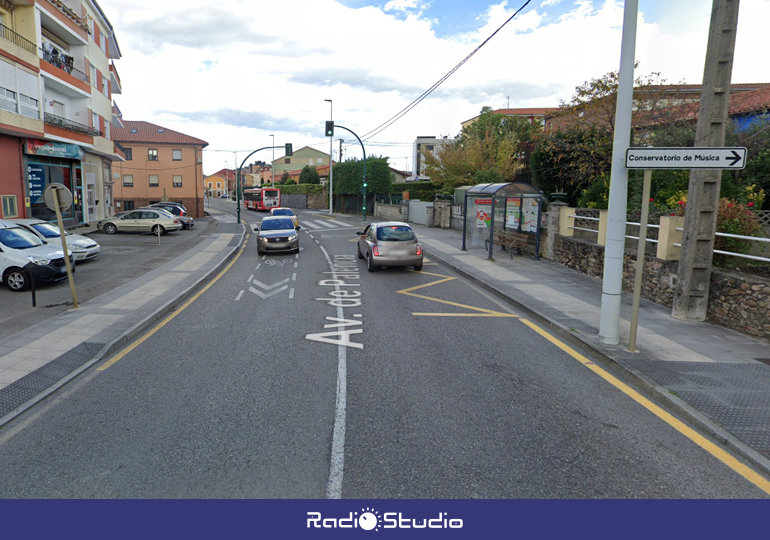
x=261, y=198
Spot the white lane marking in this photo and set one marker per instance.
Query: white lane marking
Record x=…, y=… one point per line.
x=337, y=465
x=238, y=297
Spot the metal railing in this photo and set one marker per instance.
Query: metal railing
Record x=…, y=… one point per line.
x=737, y=237
x=16, y=39
x=58, y=121
x=65, y=62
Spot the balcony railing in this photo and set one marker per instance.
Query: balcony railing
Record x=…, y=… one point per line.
x=71, y=15
x=65, y=62
x=16, y=39
x=58, y=121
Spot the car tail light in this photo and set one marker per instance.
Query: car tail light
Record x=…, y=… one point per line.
x=375, y=251
x=419, y=249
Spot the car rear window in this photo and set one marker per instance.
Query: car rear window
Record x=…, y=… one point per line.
x=395, y=233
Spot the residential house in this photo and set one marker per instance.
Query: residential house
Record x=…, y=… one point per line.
x=535, y=115
x=161, y=165
x=57, y=79
x=399, y=177
x=304, y=156
x=220, y=183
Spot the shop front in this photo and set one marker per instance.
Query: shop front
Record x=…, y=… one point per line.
x=48, y=162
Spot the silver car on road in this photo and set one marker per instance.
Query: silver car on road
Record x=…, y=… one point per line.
x=391, y=243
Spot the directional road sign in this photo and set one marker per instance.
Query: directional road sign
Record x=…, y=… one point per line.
x=685, y=158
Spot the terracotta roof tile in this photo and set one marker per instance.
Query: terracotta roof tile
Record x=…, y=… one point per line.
x=146, y=132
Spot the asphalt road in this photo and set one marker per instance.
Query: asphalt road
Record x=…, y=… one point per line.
x=305, y=376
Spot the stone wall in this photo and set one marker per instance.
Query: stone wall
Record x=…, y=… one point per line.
x=391, y=212
x=737, y=301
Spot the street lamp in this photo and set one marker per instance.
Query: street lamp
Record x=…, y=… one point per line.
x=331, y=174
x=272, y=164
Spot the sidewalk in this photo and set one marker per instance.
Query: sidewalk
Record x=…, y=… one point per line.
x=39, y=360
x=708, y=375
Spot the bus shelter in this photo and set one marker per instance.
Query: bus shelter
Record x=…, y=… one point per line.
x=493, y=208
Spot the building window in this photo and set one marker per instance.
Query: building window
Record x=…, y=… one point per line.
x=128, y=180
x=129, y=153
x=176, y=180
x=152, y=154
x=94, y=120
x=10, y=208
x=128, y=205
x=93, y=76
x=7, y=99
x=154, y=180
x=176, y=155
x=287, y=160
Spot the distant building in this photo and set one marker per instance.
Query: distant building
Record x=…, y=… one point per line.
x=422, y=146
x=294, y=163
x=535, y=115
x=221, y=183
x=161, y=165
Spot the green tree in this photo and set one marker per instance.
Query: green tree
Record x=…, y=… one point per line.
x=492, y=142
x=309, y=175
x=348, y=176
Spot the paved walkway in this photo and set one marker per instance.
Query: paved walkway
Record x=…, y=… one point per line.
x=709, y=376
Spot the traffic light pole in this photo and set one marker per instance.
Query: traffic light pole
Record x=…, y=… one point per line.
x=363, y=187
x=289, y=152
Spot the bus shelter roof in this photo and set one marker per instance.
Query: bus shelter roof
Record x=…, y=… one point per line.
x=505, y=188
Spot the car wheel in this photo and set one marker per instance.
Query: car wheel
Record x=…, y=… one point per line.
x=17, y=280
x=418, y=267
x=369, y=265
x=110, y=228
x=158, y=230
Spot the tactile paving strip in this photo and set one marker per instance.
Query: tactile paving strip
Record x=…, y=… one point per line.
x=736, y=396
x=21, y=391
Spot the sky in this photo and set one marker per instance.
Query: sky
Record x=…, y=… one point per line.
x=246, y=74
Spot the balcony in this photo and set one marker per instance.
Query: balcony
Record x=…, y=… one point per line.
x=66, y=63
x=70, y=125
x=70, y=14
x=16, y=39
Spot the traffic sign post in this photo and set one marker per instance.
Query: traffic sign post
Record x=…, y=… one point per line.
x=58, y=198
x=685, y=158
x=653, y=158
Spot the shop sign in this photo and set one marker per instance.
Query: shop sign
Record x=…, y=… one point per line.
x=36, y=177
x=37, y=147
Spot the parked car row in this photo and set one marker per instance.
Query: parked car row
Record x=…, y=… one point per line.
x=158, y=218
x=26, y=255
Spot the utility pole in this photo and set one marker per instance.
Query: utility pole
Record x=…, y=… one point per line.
x=694, y=273
x=612, y=281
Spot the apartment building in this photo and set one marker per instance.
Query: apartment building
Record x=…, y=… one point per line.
x=57, y=79
x=161, y=165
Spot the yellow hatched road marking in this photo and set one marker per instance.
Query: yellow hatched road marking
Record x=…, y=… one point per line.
x=722, y=455
x=480, y=312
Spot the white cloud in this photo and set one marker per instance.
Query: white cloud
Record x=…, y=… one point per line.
x=237, y=71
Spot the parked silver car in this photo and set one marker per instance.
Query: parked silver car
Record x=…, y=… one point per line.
x=277, y=234
x=82, y=247
x=146, y=220
x=391, y=243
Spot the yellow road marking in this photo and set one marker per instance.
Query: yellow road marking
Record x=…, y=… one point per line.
x=171, y=316
x=722, y=455
x=481, y=312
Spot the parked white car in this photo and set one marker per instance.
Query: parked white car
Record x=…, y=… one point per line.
x=24, y=256
x=82, y=247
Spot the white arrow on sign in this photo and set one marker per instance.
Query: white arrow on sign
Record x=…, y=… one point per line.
x=685, y=158
x=268, y=288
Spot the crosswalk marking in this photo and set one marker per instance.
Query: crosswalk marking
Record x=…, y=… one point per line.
x=323, y=224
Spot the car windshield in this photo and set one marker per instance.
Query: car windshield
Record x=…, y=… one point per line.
x=47, y=230
x=276, y=224
x=18, y=238
x=395, y=233
x=282, y=212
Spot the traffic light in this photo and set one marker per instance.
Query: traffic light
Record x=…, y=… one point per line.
x=289, y=150
x=329, y=128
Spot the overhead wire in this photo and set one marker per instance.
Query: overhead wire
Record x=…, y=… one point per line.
x=393, y=119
